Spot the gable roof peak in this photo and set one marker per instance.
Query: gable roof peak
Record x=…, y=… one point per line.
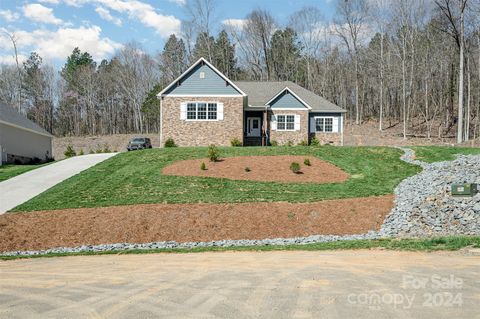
x=205, y=62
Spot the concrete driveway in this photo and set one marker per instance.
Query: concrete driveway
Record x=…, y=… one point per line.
x=337, y=284
x=21, y=188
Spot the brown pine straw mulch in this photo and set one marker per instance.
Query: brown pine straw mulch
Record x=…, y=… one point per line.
x=262, y=168
x=189, y=222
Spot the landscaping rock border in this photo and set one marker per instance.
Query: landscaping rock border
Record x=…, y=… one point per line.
x=424, y=205
x=423, y=208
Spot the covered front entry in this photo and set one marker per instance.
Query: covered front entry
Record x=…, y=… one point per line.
x=254, y=131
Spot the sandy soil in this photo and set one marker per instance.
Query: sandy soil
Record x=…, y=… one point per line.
x=262, y=168
x=189, y=222
x=276, y=284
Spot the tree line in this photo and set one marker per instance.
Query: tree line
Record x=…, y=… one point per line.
x=414, y=63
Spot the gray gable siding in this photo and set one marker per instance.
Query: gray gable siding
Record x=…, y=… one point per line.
x=212, y=83
x=287, y=100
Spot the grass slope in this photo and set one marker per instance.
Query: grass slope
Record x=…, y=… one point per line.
x=432, y=154
x=11, y=170
x=432, y=244
x=135, y=177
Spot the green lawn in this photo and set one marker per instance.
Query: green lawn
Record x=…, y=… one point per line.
x=432, y=154
x=135, y=177
x=11, y=170
x=432, y=244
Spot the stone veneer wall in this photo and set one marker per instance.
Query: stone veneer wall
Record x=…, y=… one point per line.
x=328, y=138
x=283, y=137
x=202, y=133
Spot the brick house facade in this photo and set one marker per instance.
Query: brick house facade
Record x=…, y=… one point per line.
x=204, y=107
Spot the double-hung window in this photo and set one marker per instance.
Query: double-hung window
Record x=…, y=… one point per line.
x=323, y=124
x=285, y=122
x=202, y=111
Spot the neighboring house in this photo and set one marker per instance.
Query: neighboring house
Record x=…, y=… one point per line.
x=21, y=140
x=203, y=107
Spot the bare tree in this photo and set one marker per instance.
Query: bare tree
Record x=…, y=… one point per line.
x=349, y=23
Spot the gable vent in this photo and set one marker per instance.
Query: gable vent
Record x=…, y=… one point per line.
x=202, y=75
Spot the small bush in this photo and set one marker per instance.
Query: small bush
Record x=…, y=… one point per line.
x=303, y=143
x=170, y=143
x=91, y=151
x=289, y=143
x=307, y=162
x=99, y=150
x=213, y=154
x=106, y=149
x=273, y=143
x=314, y=141
x=247, y=169
x=81, y=152
x=69, y=152
x=235, y=142
x=295, y=167
x=203, y=167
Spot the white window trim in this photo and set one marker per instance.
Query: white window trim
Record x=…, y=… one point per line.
x=324, y=117
x=196, y=112
x=285, y=130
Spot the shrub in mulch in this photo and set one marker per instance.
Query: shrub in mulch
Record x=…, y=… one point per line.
x=213, y=153
x=295, y=167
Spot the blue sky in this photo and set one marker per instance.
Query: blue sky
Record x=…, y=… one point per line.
x=54, y=27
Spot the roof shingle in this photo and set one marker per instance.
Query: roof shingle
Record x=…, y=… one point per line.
x=9, y=115
x=260, y=93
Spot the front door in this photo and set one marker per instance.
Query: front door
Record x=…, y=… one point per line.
x=253, y=126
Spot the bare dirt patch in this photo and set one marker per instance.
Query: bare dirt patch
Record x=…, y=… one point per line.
x=190, y=222
x=262, y=168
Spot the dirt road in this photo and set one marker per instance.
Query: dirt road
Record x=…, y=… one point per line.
x=336, y=284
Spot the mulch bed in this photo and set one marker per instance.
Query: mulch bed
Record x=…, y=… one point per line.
x=189, y=222
x=262, y=168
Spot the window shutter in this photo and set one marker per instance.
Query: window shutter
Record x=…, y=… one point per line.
x=273, y=123
x=313, y=125
x=183, y=111
x=335, y=124
x=220, y=111
x=297, y=122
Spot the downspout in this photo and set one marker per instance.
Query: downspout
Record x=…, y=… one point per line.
x=265, y=123
x=161, y=123
x=341, y=128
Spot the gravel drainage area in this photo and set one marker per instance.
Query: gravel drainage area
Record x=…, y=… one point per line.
x=423, y=207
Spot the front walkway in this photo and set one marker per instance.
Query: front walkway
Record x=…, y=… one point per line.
x=21, y=188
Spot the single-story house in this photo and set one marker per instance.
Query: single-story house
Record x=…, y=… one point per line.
x=21, y=140
x=203, y=106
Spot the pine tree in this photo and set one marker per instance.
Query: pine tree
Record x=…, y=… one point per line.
x=173, y=59
x=225, y=60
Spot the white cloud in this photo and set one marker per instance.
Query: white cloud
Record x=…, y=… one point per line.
x=38, y=13
x=49, y=1
x=164, y=25
x=236, y=23
x=10, y=59
x=105, y=14
x=179, y=2
x=60, y=43
x=9, y=16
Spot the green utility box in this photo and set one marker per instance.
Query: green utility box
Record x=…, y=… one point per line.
x=464, y=189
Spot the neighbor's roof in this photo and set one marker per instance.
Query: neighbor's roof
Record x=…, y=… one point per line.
x=259, y=93
x=9, y=116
